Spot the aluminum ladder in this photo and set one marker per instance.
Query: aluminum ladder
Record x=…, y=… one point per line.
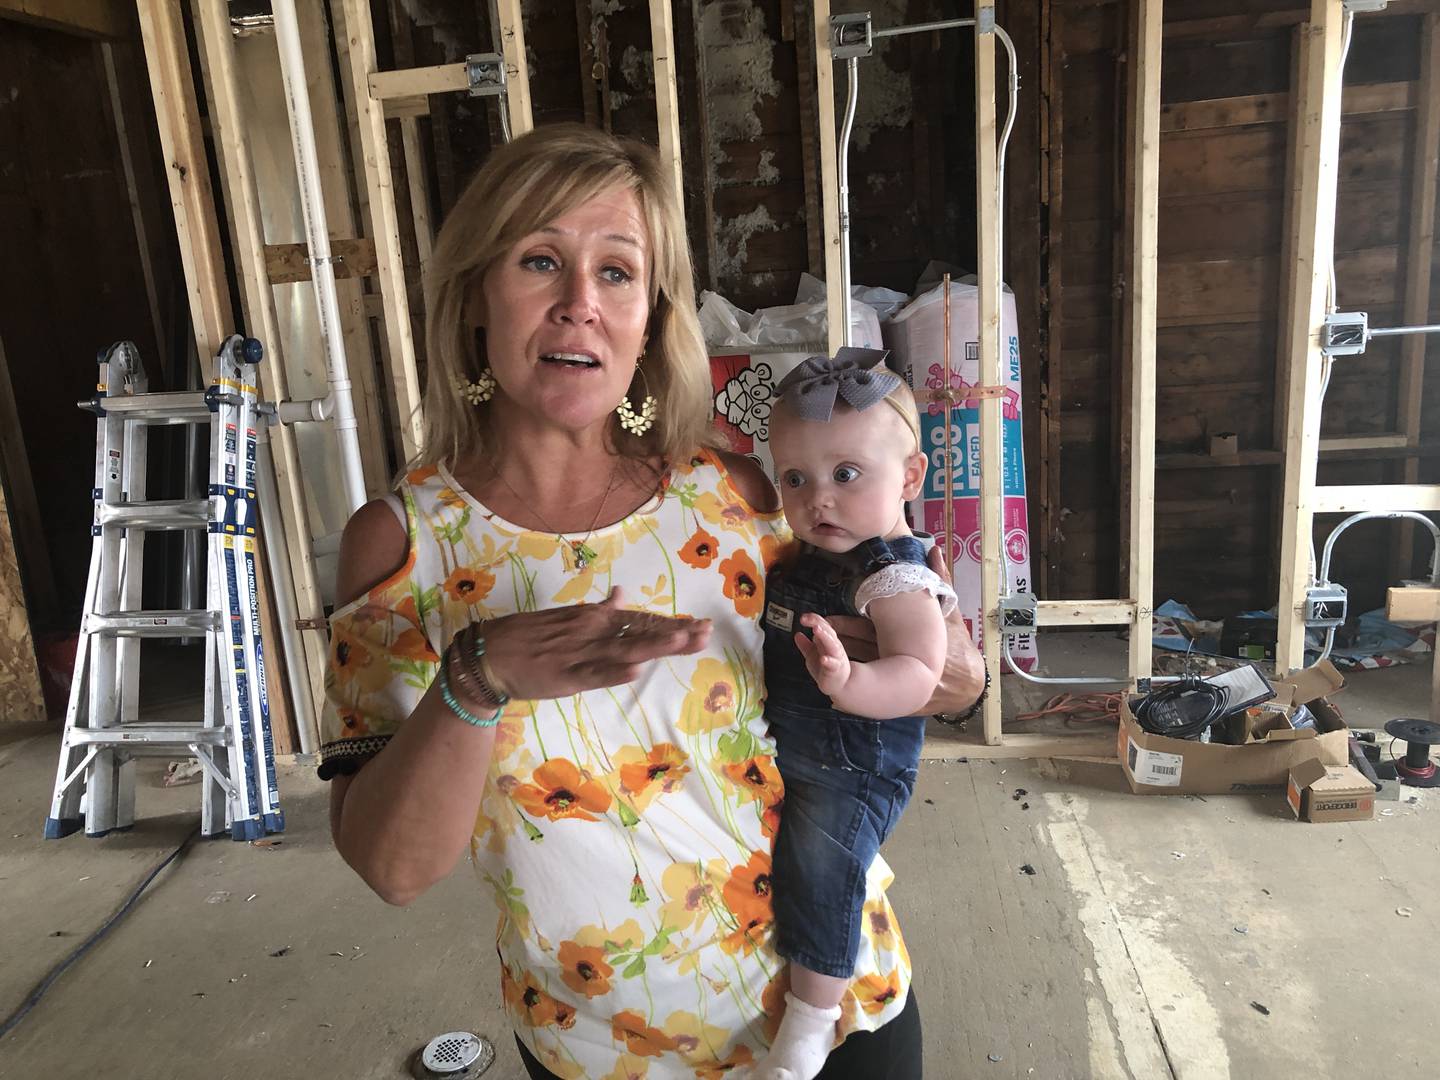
x=95, y=780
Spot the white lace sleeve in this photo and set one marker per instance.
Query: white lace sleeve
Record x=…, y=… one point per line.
x=902, y=578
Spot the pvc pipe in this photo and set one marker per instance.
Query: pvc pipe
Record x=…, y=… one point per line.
x=301, y=412
x=322, y=269
x=852, y=98
x=272, y=540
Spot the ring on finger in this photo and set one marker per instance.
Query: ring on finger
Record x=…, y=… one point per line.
x=624, y=629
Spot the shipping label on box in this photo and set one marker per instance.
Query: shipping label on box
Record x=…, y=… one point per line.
x=1154, y=767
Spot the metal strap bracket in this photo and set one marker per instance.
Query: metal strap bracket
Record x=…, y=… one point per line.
x=985, y=19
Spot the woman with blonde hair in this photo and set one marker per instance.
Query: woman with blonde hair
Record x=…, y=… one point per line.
x=547, y=652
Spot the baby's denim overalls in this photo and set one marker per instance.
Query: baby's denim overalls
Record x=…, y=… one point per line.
x=847, y=778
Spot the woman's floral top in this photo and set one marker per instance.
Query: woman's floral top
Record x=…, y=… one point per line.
x=624, y=833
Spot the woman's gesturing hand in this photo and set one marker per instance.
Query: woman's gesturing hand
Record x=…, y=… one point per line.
x=964, y=676
x=562, y=651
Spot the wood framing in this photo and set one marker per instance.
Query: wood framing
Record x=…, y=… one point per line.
x=991, y=370
x=1023, y=745
x=88, y=18
x=188, y=173
x=417, y=82
x=1144, y=199
x=1085, y=612
x=217, y=57
x=1412, y=603
x=1352, y=498
x=667, y=93
x=836, y=305
x=517, y=68
x=1052, y=88
x=412, y=150
x=1419, y=259
x=207, y=289
x=385, y=229
x=1312, y=246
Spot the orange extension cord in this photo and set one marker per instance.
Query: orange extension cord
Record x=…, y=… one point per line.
x=1097, y=708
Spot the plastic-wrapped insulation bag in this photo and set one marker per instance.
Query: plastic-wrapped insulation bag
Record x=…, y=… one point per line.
x=750, y=354
x=916, y=337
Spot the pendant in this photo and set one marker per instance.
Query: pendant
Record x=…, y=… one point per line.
x=582, y=552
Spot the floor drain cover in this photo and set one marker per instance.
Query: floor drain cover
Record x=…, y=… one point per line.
x=454, y=1054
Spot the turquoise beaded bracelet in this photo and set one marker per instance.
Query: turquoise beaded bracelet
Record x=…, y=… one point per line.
x=452, y=703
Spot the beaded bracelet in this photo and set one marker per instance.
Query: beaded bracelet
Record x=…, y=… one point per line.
x=973, y=709
x=453, y=704
x=477, y=666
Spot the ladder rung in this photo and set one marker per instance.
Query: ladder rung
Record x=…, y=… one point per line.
x=156, y=624
x=153, y=736
x=169, y=514
x=181, y=407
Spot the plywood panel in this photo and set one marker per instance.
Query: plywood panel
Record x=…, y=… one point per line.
x=20, y=697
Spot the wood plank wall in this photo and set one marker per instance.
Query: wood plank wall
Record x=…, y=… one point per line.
x=1226, y=83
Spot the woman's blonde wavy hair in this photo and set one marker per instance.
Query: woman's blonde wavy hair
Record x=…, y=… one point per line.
x=523, y=186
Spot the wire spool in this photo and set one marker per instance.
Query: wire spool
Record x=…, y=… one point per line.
x=1416, y=769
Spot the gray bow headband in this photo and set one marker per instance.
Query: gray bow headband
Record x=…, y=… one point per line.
x=856, y=375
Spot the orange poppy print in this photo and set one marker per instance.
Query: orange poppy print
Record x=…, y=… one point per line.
x=534, y=1005
x=700, y=550
x=639, y=1037
x=748, y=896
x=584, y=970
x=758, y=778
x=875, y=992
x=721, y=1070
x=744, y=584
x=353, y=722
x=356, y=663
x=411, y=645
x=560, y=790
x=772, y=551
x=661, y=770
x=469, y=585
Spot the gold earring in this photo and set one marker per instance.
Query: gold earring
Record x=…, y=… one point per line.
x=641, y=422
x=478, y=390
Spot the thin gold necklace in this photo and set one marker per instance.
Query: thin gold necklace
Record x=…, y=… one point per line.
x=578, y=554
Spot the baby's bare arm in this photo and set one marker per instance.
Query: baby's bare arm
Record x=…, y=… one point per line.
x=910, y=636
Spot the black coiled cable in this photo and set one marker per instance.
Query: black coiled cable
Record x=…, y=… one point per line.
x=1182, y=710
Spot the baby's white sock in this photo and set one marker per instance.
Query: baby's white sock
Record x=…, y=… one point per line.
x=802, y=1044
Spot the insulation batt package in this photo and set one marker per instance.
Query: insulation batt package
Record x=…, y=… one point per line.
x=916, y=338
x=750, y=354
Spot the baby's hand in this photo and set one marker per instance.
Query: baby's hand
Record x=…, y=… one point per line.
x=825, y=658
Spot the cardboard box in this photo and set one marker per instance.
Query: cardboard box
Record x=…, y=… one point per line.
x=1225, y=444
x=1317, y=792
x=1272, y=746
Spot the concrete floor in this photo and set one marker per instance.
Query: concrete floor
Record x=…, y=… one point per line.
x=1136, y=949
